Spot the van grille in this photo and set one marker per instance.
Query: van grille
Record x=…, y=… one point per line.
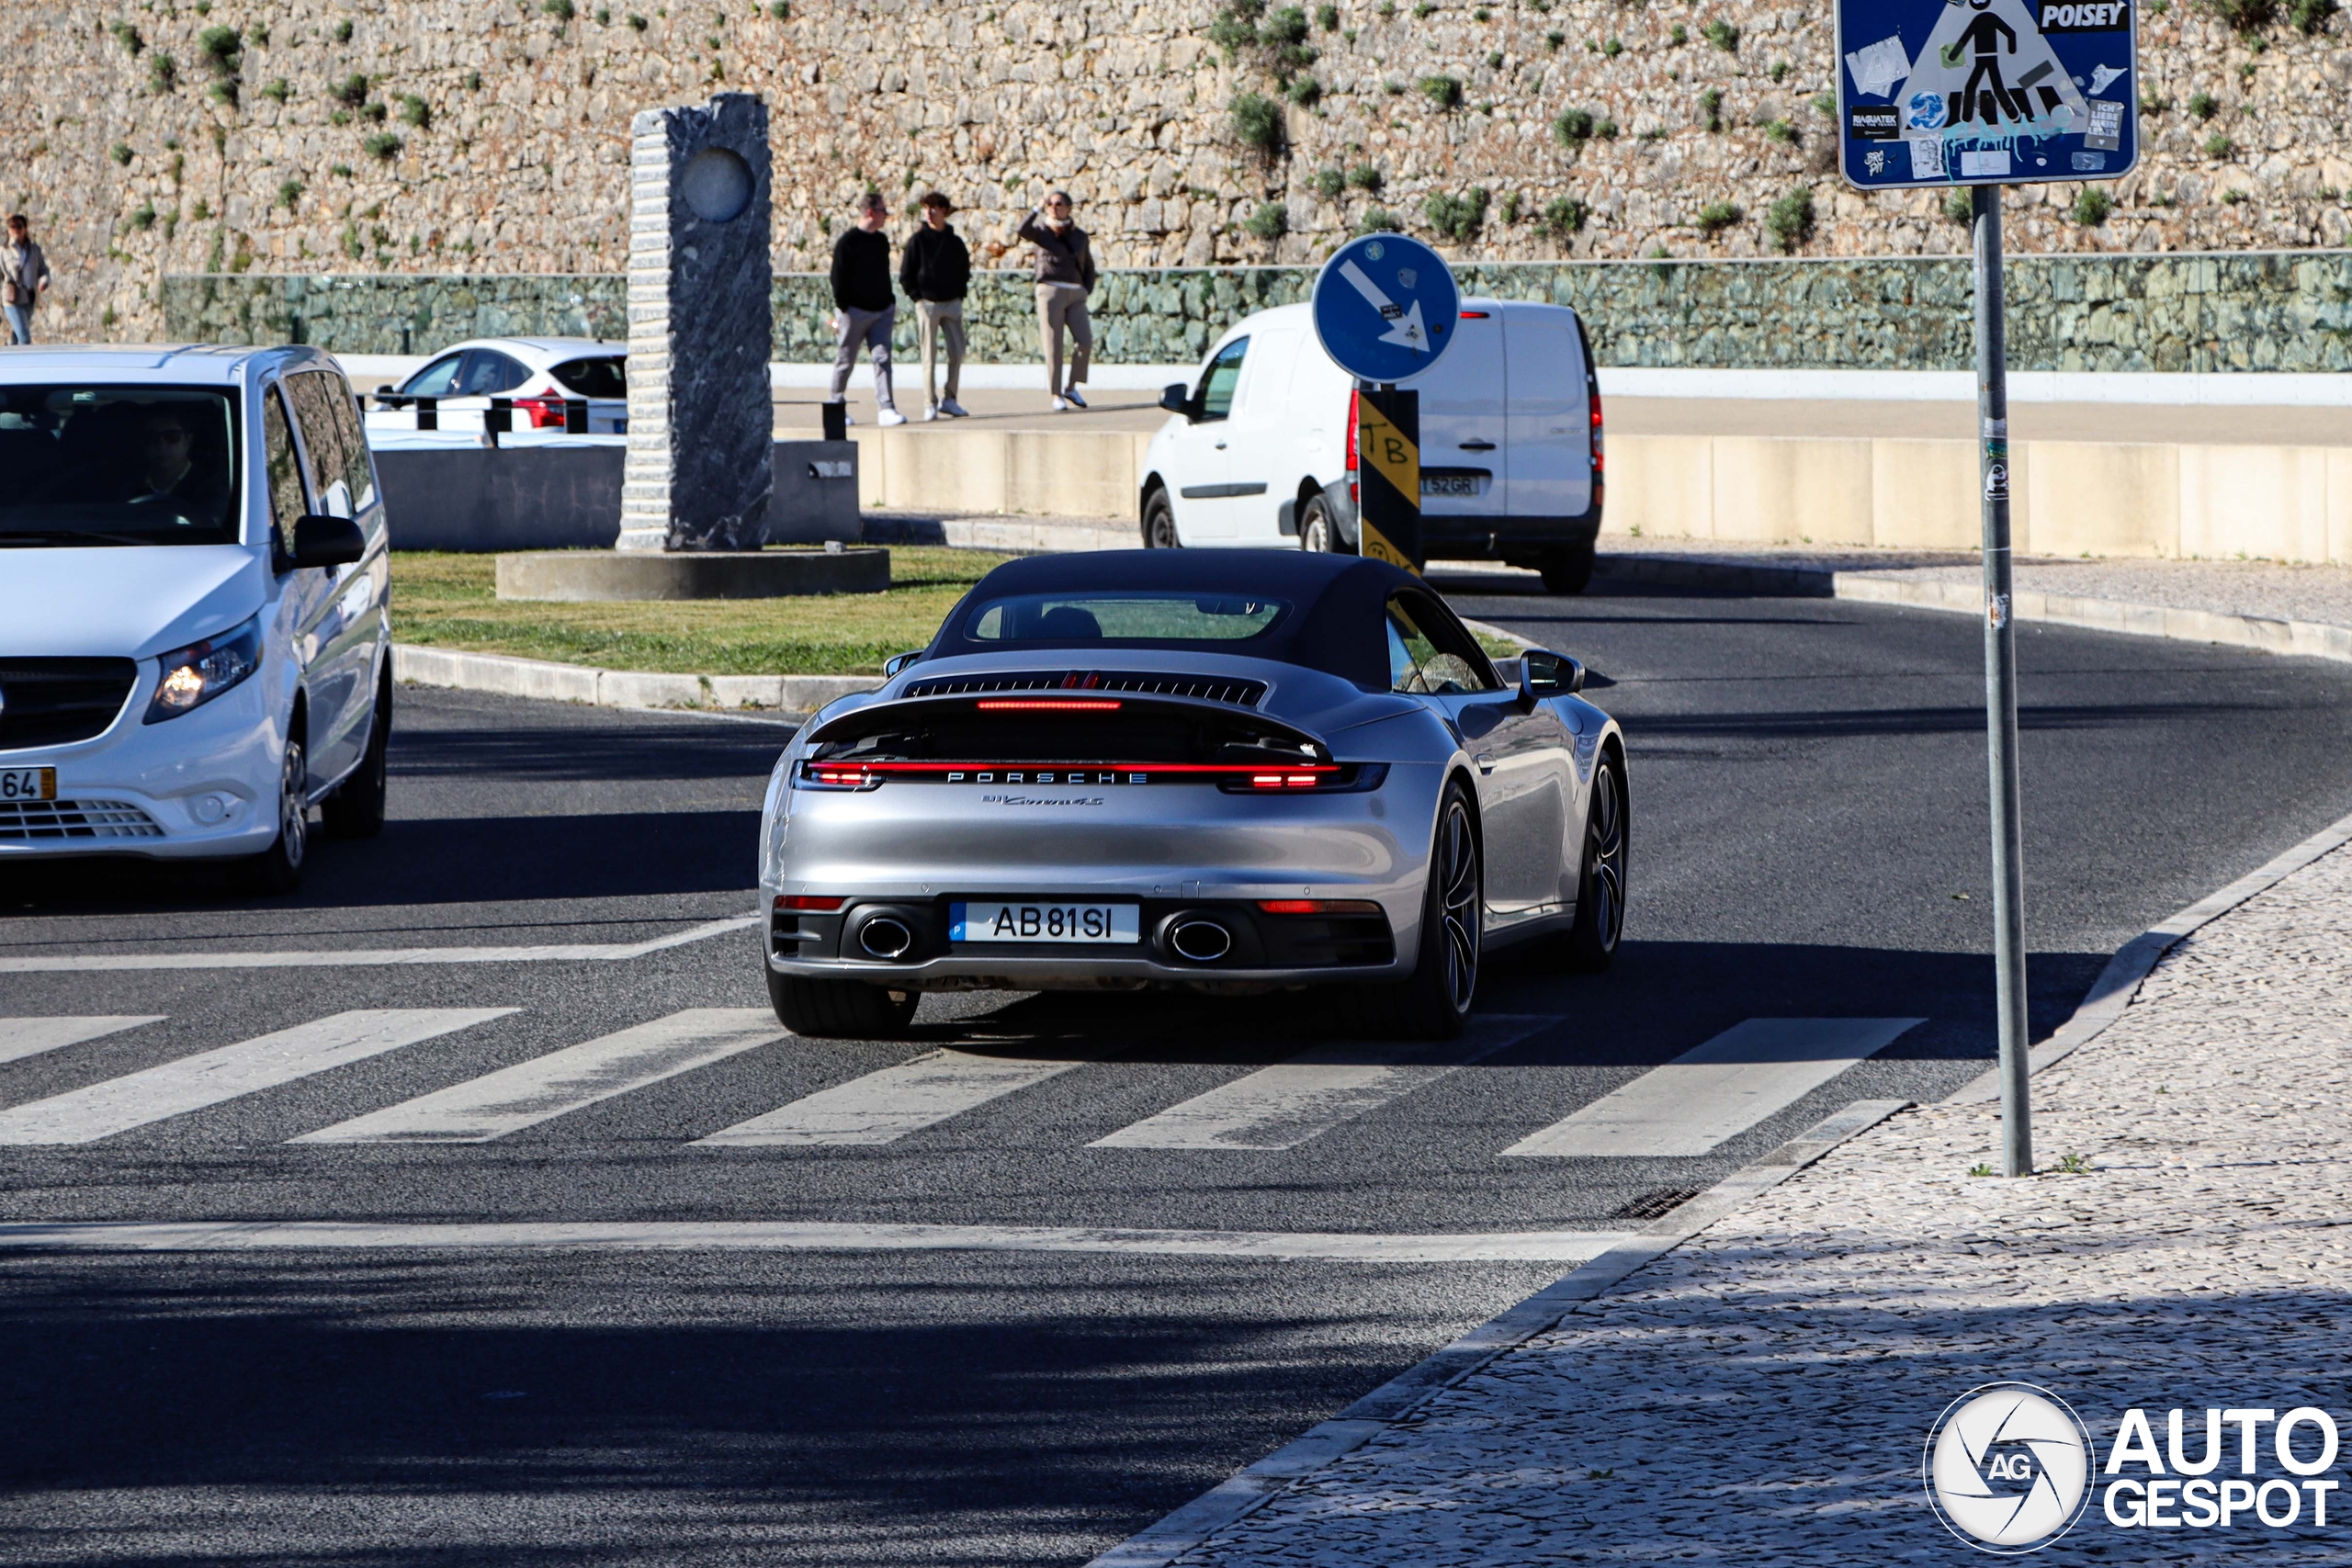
x=74, y=819
x=55, y=702
x=1205, y=688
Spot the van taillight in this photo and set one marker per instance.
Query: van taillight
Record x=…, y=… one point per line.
x=1355, y=400
x=1592, y=394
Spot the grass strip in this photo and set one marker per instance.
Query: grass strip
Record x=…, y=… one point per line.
x=446, y=600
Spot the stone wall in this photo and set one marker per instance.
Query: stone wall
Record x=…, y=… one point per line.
x=2280, y=310
x=490, y=136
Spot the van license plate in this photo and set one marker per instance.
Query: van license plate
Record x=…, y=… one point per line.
x=1450, y=484
x=27, y=783
x=1081, y=923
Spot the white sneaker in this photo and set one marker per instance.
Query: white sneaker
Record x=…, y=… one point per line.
x=889, y=417
x=930, y=413
x=953, y=410
x=1060, y=407
x=1075, y=402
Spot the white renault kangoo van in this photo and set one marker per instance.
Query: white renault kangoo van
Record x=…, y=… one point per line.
x=195, y=637
x=1260, y=452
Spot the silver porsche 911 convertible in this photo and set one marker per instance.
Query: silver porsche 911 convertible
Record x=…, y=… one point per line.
x=1224, y=769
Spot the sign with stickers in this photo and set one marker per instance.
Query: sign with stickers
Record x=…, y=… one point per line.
x=1986, y=92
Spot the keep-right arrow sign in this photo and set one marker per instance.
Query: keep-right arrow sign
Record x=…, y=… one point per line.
x=1384, y=307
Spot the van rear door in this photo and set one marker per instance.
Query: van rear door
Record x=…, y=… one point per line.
x=1548, y=457
x=1463, y=421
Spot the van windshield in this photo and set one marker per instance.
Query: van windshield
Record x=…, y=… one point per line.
x=87, y=466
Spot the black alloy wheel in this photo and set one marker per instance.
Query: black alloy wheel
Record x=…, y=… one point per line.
x=840, y=1009
x=1435, y=1003
x=1160, y=523
x=1601, y=886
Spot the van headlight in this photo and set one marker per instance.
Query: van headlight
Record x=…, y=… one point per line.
x=194, y=675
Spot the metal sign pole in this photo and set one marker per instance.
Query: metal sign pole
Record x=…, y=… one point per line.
x=2001, y=686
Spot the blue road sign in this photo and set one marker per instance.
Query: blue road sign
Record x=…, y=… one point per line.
x=1386, y=307
x=1987, y=92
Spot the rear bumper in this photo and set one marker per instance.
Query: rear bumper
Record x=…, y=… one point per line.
x=1506, y=538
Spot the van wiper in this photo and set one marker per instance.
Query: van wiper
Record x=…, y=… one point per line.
x=22, y=538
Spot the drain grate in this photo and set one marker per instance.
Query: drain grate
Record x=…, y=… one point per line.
x=1658, y=1204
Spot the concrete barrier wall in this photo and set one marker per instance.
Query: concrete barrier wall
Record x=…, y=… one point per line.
x=550, y=496
x=2291, y=503
x=1077, y=473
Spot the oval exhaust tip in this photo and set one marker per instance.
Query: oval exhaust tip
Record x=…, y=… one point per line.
x=1202, y=941
x=885, y=938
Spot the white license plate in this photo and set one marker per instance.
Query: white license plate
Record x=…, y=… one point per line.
x=1082, y=923
x=1450, y=484
x=27, y=783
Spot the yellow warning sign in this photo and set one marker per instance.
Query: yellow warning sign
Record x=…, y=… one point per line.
x=1390, y=452
x=1387, y=448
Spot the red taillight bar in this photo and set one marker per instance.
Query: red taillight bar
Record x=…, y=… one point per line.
x=1047, y=704
x=1475, y=315
x=809, y=902
x=853, y=772
x=1318, y=907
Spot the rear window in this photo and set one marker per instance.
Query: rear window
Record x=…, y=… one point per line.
x=604, y=377
x=81, y=466
x=1124, y=617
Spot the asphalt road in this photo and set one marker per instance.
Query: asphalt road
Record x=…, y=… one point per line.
x=1808, y=788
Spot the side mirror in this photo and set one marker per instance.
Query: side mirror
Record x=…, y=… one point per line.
x=1177, y=398
x=322, y=540
x=899, y=661
x=1543, y=674
x=386, y=391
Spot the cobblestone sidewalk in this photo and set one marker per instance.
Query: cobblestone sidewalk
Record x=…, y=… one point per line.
x=1760, y=1395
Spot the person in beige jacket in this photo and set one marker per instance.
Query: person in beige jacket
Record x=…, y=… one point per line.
x=24, y=279
x=1064, y=277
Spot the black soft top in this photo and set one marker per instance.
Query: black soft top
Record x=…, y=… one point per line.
x=1335, y=623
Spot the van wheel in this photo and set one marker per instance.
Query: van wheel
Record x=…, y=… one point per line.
x=1314, y=531
x=1159, y=523
x=278, y=869
x=1568, y=569
x=355, y=810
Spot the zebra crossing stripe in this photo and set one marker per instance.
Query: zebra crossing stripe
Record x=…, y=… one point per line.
x=191, y=1083
x=22, y=1037
x=885, y=1106
x=1284, y=1105
x=364, y=957
x=788, y=1235
x=1750, y=1071
x=561, y=1081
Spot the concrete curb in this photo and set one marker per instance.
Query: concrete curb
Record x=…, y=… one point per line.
x=504, y=675
x=1395, y=1401
x=2118, y=983
x=2306, y=639
x=1017, y=535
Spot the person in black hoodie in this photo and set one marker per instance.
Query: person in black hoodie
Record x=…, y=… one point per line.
x=867, y=310
x=1064, y=277
x=935, y=270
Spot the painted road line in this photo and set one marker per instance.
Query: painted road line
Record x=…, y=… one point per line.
x=763, y=1235
x=1704, y=1096
x=1283, y=1106
x=561, y=1081
x=885, y=1106
x=370, y=957
x=22, y=1037
x=116, y=1105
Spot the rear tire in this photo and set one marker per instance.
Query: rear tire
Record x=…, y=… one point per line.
x=355, y=810
x=1160, y=523
x=1435, y=1003
x=278, y=869
x=1591, y=943
x=840, y=1009
x=1568, y=569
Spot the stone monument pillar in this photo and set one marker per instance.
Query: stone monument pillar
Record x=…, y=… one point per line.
x=701, y=427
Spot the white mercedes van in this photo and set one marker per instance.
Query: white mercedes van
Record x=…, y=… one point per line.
x=195, y=636
x=1260, y=452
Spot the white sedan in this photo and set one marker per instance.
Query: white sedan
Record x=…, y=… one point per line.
x=540, y=375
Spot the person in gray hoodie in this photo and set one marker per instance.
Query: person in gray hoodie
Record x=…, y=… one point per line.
x=1064, y=277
